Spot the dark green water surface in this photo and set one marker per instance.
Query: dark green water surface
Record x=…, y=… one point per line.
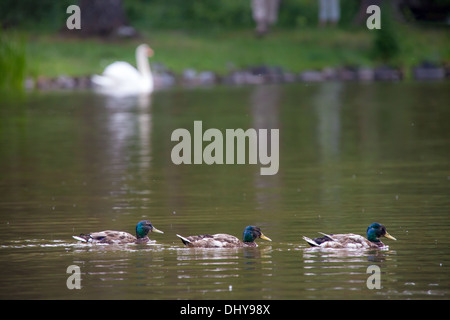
x=350, y=154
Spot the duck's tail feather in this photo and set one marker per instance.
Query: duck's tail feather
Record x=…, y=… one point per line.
x=83, y=238
x=311, y=242
x=327, y=235
x=183, y=239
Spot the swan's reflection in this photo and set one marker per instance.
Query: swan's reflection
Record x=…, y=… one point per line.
x=127, y=135
x=265, y=109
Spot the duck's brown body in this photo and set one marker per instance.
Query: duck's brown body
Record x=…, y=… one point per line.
x=113, y=237
x=219, y=240
x=120, y=237
x=353, y=241
x=223, y=240
x=345, y=240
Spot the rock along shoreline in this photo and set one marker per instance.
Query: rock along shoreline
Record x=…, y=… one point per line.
x=255, y=75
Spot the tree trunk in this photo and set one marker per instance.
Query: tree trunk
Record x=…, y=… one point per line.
x=101, y=17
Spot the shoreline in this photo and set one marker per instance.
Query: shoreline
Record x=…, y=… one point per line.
x=255, y=75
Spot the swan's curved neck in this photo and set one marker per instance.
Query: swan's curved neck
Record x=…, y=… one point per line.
x=143, y=66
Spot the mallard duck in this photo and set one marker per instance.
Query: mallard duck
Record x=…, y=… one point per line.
x=120, y=237
x=352, y=241
x=222, y=240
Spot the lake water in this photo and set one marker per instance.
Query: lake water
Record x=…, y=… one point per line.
x=350, y=154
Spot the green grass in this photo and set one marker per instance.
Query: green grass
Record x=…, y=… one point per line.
x=12, y=60
x=294, y=50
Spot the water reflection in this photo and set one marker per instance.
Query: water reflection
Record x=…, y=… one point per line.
x=265, y=110
x=231, y=268
x=151, y=246
x=350, y=154
x=209, y=255
x=36, y=243
x=129, y=120
x=328, y=109
x=127, y=144
x=347, y=255
x=345, y=270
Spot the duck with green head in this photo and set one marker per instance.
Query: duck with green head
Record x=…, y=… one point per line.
x=120, y=237
x=223, y=240
x=353, y=241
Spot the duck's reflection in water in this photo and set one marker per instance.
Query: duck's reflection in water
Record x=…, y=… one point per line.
x=229, y=266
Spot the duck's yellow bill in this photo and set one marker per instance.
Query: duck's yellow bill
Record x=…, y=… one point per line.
x=265, y=238
x=387, y=235
x=156, y=230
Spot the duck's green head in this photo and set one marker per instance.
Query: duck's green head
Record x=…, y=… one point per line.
x=375, y=231
x=144, y=227
x=251, y=233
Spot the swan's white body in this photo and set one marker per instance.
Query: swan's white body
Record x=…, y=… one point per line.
x=121, y=78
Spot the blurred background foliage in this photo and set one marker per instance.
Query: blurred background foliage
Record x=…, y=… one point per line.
x=182, y=14
x=12, y=60
x=205, y=35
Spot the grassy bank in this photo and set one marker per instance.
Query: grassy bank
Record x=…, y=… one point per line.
x=12, y=60
x=294, y=50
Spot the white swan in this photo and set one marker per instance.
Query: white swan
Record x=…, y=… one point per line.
x=121, y=78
